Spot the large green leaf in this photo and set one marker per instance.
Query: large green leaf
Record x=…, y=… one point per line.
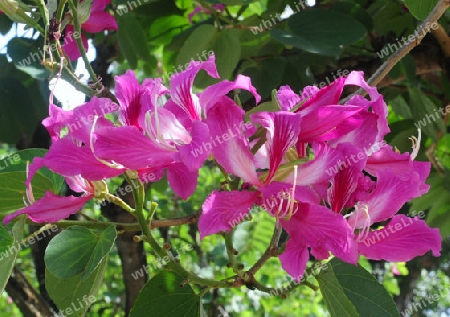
x=425, y=113
x=133, y=41
x=27, y=54
x=78, y=250
x=9, y=247
x=350, y=290
x=12, y=189
x=102, y=248
x=420, y=8
x=17, y=162
x=13, y=176
x=321, y=31
x=227, y=49
x=163, y=296
x=198, y=41
x=74, y=295
x=69, y=252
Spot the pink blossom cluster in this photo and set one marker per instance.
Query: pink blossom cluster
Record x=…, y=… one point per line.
x=282, y=154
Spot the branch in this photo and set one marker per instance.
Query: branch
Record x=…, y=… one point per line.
x=423, y=28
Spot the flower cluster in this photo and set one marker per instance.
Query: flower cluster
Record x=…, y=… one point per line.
x=280, y=157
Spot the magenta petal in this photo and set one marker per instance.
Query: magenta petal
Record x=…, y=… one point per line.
x=98, y=22
x=56, y=120
x=385, y=201
x=68, y=159
x=128, y=92
x=322, y=230
x=70, y=45
x=195, y=153
x=294, y=259
x=50, y=208
x=182, y=181
x=181, y=86
x=229, y=146
x=222, y=210
x=312, y=172
x=282, y=132
x=328, y=95
x=400, y=164
x=330, y=118
x=401, y=240
x=212, y=93
x=287, y=98
x=129, y=147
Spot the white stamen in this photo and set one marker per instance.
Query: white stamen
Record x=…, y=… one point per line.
x=415, y=144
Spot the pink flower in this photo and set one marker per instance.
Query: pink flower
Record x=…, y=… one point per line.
x=328, y=204
x=98, y=21
x=162, y=133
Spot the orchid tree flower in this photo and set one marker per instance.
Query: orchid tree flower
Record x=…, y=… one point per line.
x=370, y=190
x=71, y=154
x=159, y=132
x=98, y=21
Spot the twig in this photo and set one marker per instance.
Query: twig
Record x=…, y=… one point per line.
x=392, y=60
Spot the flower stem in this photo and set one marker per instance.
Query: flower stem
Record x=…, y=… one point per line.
x=77, y=27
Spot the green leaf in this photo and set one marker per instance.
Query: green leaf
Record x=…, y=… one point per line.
x=17, y=162
x=163, y=296
x=74, y=295
x=9, y=248
x=197, y=42
x=69, y=252
x=12, y=189
x=420, y=9
x=26, y=54
x=227, y=49
x=102, y=248
x=401, y=107
x=425, y=113
x=321, y=31
x=350, y=290
x=133, y=41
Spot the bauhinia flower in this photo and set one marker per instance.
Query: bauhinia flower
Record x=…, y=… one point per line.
x=98, y=21
x=166, y=129
x=324, y=213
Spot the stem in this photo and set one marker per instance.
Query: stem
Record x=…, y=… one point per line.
x=231, y=252
x=139, y=195
x=119, y=202
x=122, y=226
x=77, y=27
x=270, y=251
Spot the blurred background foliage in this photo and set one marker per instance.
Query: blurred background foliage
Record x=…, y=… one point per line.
x=276, y=43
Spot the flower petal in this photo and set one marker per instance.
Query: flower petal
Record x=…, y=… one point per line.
x=50, y=208
x=212, y=93
x=181, y=86
x=224, y=121
x=294, y=259
x=322, y=230
x=99, y=21
x=223, y=209
x=129, y=147
x=182, y=181
x=282, y=132
x=70, y=45
x=401, y=240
